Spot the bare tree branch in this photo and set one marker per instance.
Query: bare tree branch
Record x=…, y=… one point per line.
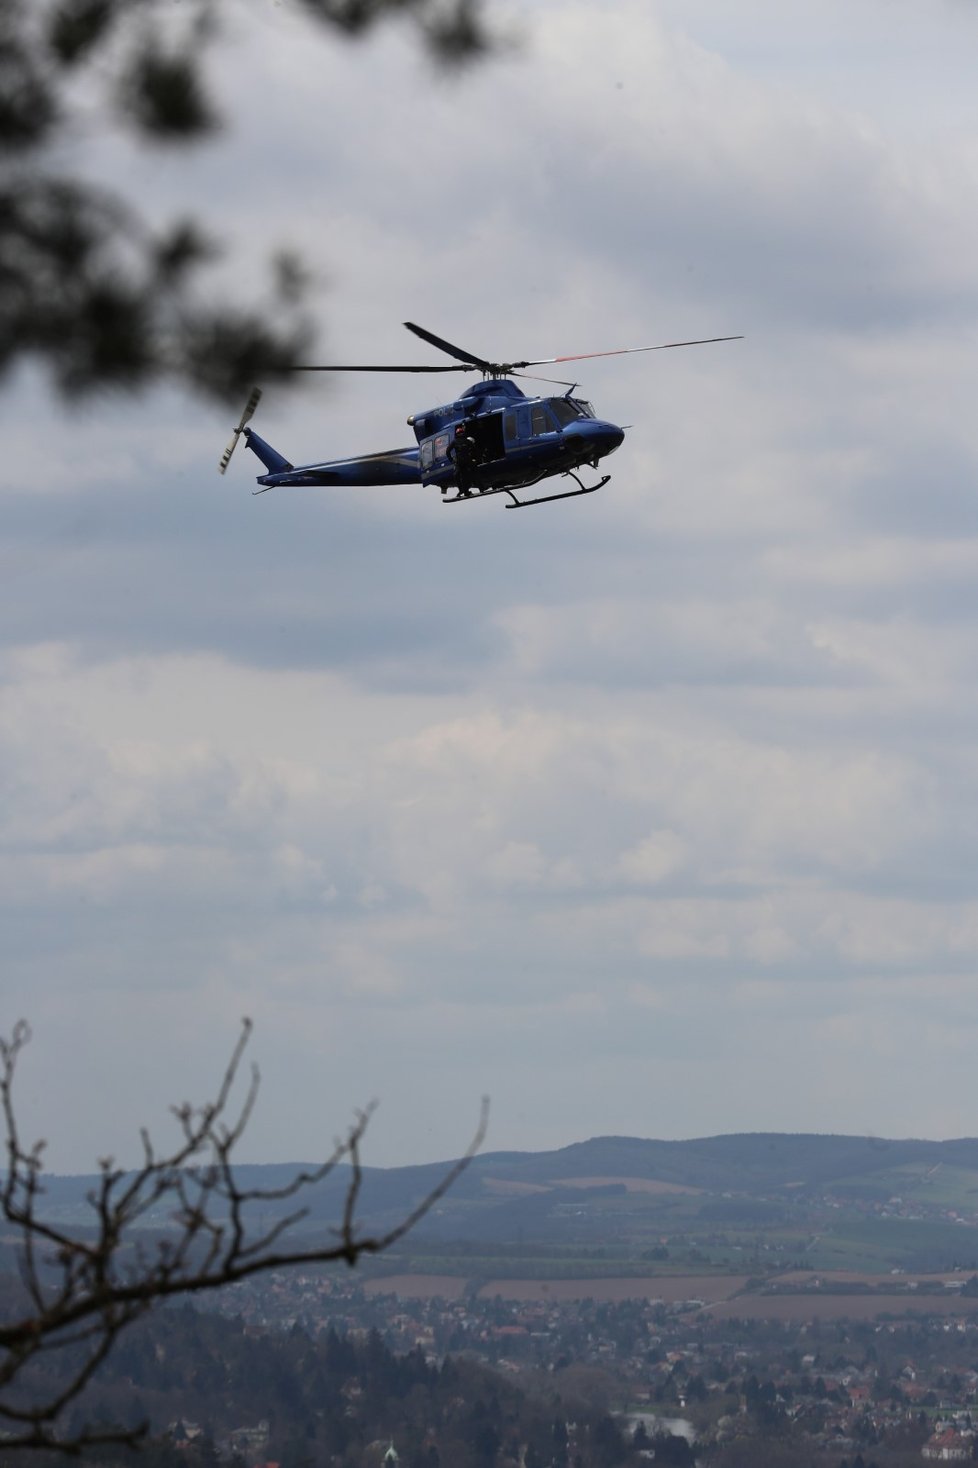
x=83, y=1291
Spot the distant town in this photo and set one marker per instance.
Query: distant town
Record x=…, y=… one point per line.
x=738, y=1302
x=883, y=1389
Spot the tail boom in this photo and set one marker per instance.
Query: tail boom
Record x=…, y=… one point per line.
x=393, y=466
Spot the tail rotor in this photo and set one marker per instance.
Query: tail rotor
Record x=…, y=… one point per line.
x=246, y=416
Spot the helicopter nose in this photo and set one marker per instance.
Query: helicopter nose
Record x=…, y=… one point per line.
x=604, y=437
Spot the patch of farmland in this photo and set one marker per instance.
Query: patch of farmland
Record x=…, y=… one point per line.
x=804, y=1278
x=839, y=1307
x=509, y=1187
x=670, y=1288
x=630, y=1184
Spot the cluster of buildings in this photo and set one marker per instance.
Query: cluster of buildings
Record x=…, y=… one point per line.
x=847, y=1386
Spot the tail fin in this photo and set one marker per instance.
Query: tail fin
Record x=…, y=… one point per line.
x=270, y=457
x=250, y=407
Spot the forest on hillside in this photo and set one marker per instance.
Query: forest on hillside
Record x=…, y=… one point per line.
x=214, y=1390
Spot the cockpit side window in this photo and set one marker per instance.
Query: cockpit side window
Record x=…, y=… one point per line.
x=565, y=410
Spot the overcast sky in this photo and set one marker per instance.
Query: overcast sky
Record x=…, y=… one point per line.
x=651, y=814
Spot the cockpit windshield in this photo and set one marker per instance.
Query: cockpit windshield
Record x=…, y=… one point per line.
x=567, y=409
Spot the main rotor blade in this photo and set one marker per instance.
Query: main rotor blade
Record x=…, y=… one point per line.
x=444, y=346
x=468, y=362
x=625, y=351
x=335, y=367
x=535, y=377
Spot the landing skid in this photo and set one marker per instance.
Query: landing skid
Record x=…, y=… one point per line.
x=567, y=494
x=516, y=504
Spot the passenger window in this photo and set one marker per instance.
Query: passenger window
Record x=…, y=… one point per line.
x=540, y=420
x=509, y=426
x=427, y=453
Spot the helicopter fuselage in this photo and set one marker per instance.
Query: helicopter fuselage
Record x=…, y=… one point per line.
x=510, y=441
x=513, y=440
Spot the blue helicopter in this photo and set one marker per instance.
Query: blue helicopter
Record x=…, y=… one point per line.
x=492, y=439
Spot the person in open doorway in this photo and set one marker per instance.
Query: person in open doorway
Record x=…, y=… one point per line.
x=463, y=455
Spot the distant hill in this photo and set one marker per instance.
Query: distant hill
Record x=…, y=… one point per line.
x=752, y=1177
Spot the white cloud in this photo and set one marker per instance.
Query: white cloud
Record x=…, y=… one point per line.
x=656, y=857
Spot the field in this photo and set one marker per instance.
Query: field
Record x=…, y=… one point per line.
x=839, y=1307
x=668, y=1288
x=631, y=1184
x=724, y=1296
